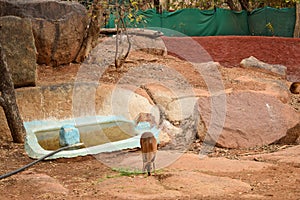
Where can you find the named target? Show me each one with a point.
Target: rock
(202, 185)
(17, 41)
(119, 100)
(177, 105)
(174, 185)
(277, 88)
(4, 130)
(168, 134)
(148, 41)
(141, 39)
(292, 136)
(177, 97)
(192, 161)
(164, 138)
(289, 155)
(42, 183)
(253, 62)
(252, 119)
(58, 27)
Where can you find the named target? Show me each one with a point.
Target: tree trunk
(93, 29)
(8, 101)
(231, 5)
(297, 23)
(245, 5)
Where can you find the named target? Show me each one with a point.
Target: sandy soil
(256, 173)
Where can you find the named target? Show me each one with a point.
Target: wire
(40, 159)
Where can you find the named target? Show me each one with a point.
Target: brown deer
(295, 88)
(149, 148)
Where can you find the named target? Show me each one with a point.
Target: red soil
(229, 51)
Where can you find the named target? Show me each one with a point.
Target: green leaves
(270, 27)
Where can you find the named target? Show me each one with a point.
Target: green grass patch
(121, 172)
(127, 172)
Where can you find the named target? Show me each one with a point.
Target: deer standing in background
(149, 148)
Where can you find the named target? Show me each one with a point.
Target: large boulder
(177, 105)
(252, 119)
(58, 27)
(17, 40)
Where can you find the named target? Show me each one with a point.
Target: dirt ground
(255, 173)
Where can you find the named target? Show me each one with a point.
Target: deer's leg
(148, 167)
(153, 167)
(153, 161)
(144, 167)
(144, 162)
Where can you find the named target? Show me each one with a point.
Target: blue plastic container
(68, 135)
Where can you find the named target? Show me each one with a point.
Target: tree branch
(128, 39)
(231, 5)
(121, 27)
(92, 31)
(245, 5)
(10, 107)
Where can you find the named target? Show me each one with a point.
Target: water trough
(97, 133)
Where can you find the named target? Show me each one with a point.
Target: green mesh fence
(194, 22)
(270, 21)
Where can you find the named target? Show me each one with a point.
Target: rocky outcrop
(58, 27)
(17, 41)
(252, 119)
(253, 62)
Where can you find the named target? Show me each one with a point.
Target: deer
(149, 148)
